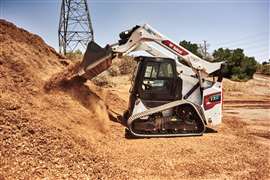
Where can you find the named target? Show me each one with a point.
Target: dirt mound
(27, 52)
(75, 87)
(10, 32)
(46, 134)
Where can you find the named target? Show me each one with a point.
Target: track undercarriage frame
(184, 120)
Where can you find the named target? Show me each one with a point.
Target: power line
(253, 46)
(244, 39)
(260, 50)
(248, 41)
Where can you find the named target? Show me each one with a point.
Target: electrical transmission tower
(75, 27)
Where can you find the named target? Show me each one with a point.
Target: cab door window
(158, 80)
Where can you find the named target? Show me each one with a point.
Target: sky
(222, 23)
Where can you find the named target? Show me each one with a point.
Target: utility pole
(204, 49)
(75, 27)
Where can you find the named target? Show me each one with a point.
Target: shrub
(266, 69)
(263, 68)
(76, 55)
(122, 66)
(126, 65)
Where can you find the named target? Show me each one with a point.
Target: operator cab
(155, 82)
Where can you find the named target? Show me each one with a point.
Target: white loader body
(172, 95)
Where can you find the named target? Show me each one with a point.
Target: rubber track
(159, 109)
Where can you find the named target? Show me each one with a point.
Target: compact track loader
(173, 92)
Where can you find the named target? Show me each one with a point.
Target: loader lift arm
(97, 59)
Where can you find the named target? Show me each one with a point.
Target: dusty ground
(240, 149)
(65, 131)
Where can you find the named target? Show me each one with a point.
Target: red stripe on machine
(211, 100)
(176, 48)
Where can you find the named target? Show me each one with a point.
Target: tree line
(240, 67)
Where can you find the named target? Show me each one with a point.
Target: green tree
(192, 47)
(222, 54)
(239, 66)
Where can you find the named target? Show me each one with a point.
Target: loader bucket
(95, 60)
